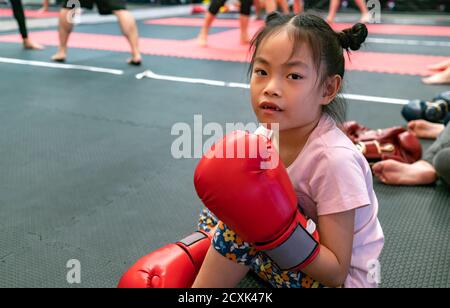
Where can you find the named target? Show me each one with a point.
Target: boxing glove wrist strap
(297, 251)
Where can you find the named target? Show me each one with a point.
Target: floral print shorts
(230, 245)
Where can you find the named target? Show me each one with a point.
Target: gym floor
(85, 147)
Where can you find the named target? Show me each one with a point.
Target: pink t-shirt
(331, 176)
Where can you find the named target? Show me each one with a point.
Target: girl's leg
(334, 7)
(209, 19)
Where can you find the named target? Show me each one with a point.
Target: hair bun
(353, 38)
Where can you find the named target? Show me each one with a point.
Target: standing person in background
(334, 7)
(19, 15)
(214, 8)
(105, 7)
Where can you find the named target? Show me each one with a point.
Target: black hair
(327, 47)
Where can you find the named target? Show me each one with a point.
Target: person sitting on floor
(434, 165)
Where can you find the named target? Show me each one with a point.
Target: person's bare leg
(258, 9)
(440, 66)
(334, 7)
(438, 78)
(45, 6)
(271, 6)
(30, 45)
(203, 36)
(298, 6)
(65, 28)
(244, 21)
(365, 16)
(392, 172)
(284, 6)
(425, 129)
(130, 31)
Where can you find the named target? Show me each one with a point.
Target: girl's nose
(273, 89)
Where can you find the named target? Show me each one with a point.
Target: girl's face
(285, 89)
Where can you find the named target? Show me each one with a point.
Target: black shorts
(105, 7)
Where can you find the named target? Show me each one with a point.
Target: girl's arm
(219, 272)
(332, 265)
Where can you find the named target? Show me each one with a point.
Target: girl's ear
(331, 89)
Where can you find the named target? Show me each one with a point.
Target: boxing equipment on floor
(395, 143)
(436, 111)
(172, 266)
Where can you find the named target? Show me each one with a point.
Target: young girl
(298, 66)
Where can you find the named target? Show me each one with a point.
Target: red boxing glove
(354, 130)
(173, 266)
(255, 197)
(382, 144)
(392, 143)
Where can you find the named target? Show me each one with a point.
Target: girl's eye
(260, 72)
(295, 77)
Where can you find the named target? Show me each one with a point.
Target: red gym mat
(390, 63)
(29, 14)
(388, 29)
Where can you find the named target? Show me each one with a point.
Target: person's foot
(439, 78)
(202, 40)
(60, 56)
(330, 20)
(365, 18)
(135, 61)
(245, 39)
(440, 66)
(29, 45)
(43, 9)
(425, 129)
(392, 172)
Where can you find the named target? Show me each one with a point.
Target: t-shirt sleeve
(339, 182)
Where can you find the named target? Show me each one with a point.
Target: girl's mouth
(269, 106)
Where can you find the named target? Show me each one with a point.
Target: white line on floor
(408, 42)
(216, 83)
(62, 66)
